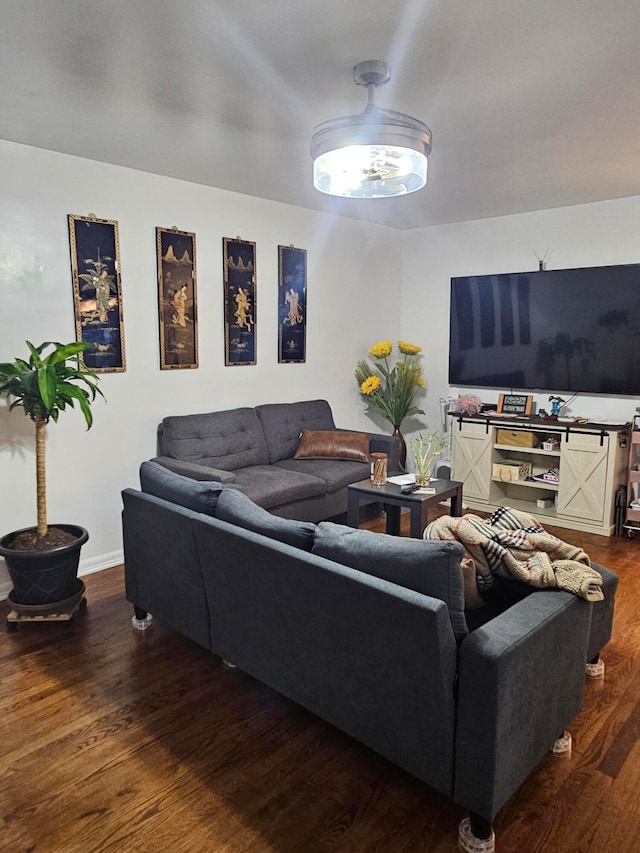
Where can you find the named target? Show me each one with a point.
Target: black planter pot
(44, 577)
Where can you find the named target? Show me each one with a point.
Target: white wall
(353, 300)
(586, 235)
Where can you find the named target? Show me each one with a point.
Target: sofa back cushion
(283, 422)
(200, 496)
(227, 440)
(236, 508)
(433, 570)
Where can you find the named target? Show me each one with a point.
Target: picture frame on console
(177, 298)
(515, 404)
(97, 292)
(239, 261)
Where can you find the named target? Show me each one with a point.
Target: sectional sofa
(367, 631)
(255, 449)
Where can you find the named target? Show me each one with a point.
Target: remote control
(407, 490)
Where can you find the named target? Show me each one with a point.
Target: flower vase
(402, 448)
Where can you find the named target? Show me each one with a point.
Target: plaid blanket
(514, 544)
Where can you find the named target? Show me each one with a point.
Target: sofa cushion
(270, 486)
(283, 422)
(333, 444)
(226, 440)
(238, 509)
(433, 570)
(335, 473)
(198, 495)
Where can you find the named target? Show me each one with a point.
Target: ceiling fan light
(376, 154)
(370, 171)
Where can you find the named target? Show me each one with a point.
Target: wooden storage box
(517, 438)
(511, 470)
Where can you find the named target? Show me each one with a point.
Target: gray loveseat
(367, 631)
(254, 449)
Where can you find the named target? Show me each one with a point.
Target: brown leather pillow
(333, 444)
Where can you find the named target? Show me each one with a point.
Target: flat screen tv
(575, 330)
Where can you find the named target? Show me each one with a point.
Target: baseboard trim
(103, 561)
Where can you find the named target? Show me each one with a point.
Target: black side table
(390, 495)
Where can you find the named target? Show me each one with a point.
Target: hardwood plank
(620, 750)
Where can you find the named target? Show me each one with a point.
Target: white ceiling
(532, 104)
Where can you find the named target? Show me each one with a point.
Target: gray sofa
(367, 631)
(253, 448)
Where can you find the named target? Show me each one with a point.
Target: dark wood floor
(114, 740)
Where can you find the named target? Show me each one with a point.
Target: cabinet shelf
(538, 451)
(529, 484)
(527, 506)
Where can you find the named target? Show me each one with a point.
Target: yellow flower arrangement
(391, 390)
(408, 349)
(370, 385)
(382, 349)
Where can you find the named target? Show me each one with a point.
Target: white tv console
(592, 459)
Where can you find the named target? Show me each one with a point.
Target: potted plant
(425, 450)
(43, 560)
(391, 390)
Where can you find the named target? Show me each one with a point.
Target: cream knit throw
(515, 545)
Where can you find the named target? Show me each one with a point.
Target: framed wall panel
(239, 259)
(292, 305)
(177, 298)
(97, 292)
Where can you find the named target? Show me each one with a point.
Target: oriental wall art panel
(239, 259)
(177, 298)
(292, 305)
(97, 293)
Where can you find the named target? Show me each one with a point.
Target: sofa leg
(475, 835)
(562, 745)
(595, 668)
(141, 620)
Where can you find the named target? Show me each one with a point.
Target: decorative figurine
(556, 403)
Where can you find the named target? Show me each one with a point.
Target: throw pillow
(198, 495)
(333, 444)
(236, 508)
(429, 567)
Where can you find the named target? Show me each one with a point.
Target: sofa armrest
(521, 680)
(162, 567)
(195, 471)
(388, 444)
(380, 443)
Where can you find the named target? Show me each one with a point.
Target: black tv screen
(575, 330)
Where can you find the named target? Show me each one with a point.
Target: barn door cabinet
(566, 474)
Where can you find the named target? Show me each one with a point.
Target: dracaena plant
(44, 386)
